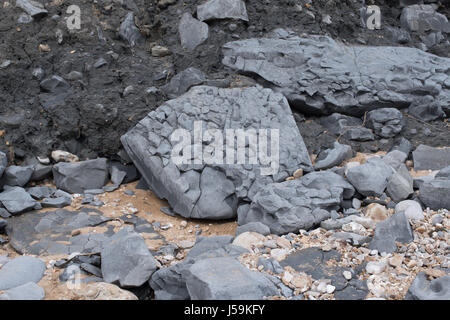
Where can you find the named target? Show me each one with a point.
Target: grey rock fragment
(333, 157)
(435, 194)
(206, 281)
(192, 32)
(128, 30)
(371, 178)
(257, 227)
(126, 260)
(33, 8)
(80, 176)
(17, 200)
(17, 175)
(429, 158)
(400, 184)
(59, 202)
(387, 232)
(386, 122)
(222, 9)
(183, 81)
(422, 18)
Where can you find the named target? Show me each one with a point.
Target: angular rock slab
(297, 204)
(28, 291)
(319, 75)
(20, 271)
(213, 191)
(226, 279)
(429, 158)
(222, 9)
(47, 233)
(394, 229)
(126, 259)
(423, 289)
(192, 32)
(80, 176)
(435, 194)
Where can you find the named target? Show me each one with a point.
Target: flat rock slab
(320, 75)
(20, 271)
(28, 291)
(47, 233)
(313, 261)
(211, 190)
(423, 289)
(226, 279)
(222, 9)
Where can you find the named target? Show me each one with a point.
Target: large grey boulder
(370, 178)
(192, 32)
(297, 204)
(426, 109)
(222, 9)
(429, 158)
(320, 75)
(424, 289)
(333, 157)
(422, 18)
(28, 291)
(226, 279)
(394, 229)
(20, 271)
(17, 200)
(197, 186)
(79, 176)
(385, 122)
(126, 259)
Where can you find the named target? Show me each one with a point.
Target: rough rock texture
(213, 190)
(16, 176)
(385, 122)
(429, 158)
(257, 227)
(387, 232)
(33, 8)
(225, 278)
(80, 176)
(423, 18)
(320, 75)
(20, 271)
(128, 30)
(400, 184)
(183, 81)
(297, 204)
(127, 260)
(222, 9)
(423, 289)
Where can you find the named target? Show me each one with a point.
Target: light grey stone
(222, 9)
(192, 32)
(20, 271)
(423, 289)
(28, 291)
(17, 200)
(333, 157)
(429, 158)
